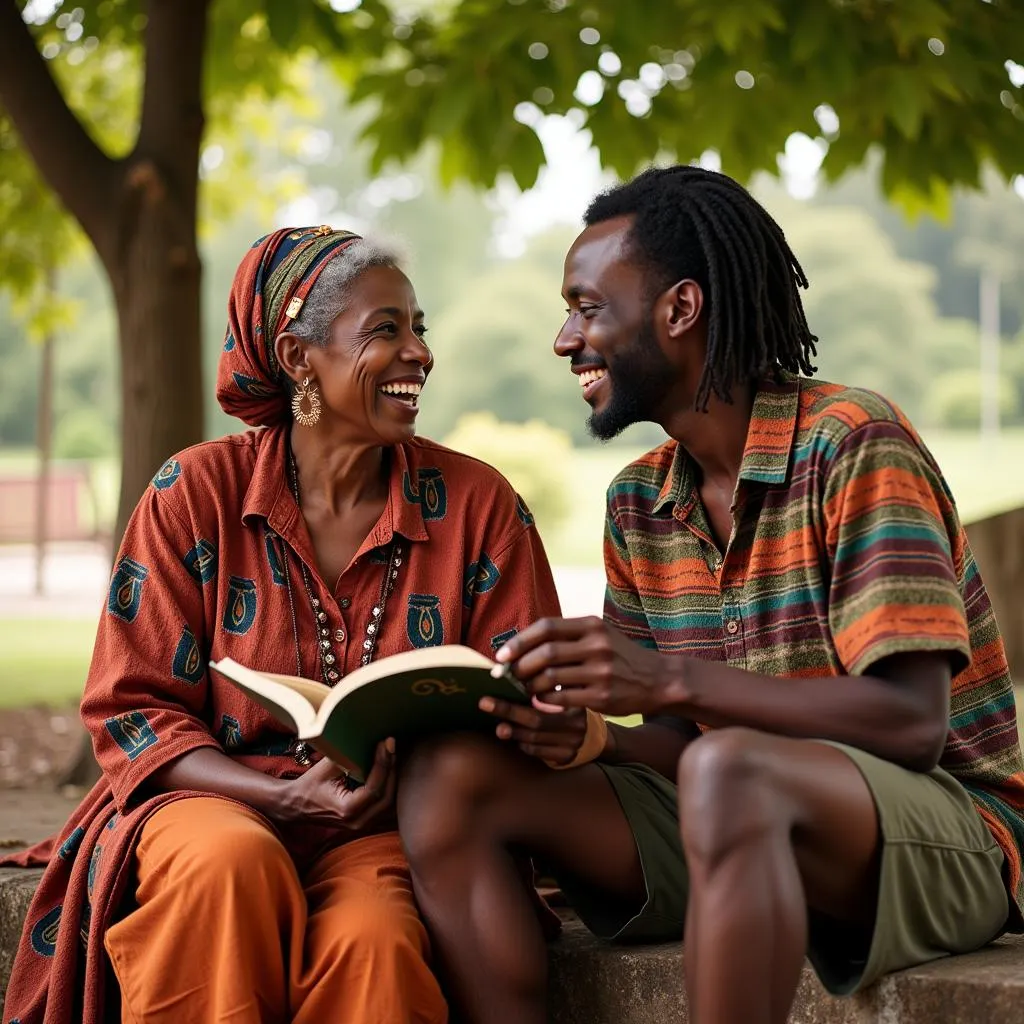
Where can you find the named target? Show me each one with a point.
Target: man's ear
(685, 302)
(292, 355)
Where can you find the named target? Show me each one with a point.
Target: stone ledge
(594, 983)
(16, 888)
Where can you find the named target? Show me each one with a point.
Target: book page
(315, 693)
(278, 696)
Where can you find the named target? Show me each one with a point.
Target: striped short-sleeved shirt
(846, 548)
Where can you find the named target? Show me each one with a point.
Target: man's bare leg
(466, 804)
(769, 826)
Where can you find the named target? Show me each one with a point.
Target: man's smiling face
(609, 334)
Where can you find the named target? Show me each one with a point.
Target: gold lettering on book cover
(428, 687)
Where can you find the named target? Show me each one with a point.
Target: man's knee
(444, 785)
(450, 771)
(726, 793)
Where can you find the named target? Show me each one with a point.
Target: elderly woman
(226, 872)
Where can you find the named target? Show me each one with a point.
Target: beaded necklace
(329, 664)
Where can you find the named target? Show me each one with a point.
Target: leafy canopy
(933, 82)
(938, 85)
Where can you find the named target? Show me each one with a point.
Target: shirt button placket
(732, 622)
(341, 632)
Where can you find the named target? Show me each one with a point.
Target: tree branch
(73, 165)
(172, 100)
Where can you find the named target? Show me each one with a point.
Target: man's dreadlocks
(698, 224)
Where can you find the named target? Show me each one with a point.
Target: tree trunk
(156, 284)
(140, 214)
(44, 446)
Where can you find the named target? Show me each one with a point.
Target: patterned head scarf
(270, 285)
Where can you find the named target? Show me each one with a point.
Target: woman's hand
(320, 796)
(545, 731)
(576, 663)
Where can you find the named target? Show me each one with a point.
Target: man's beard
(640, 377)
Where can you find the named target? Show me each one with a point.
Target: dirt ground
(36, 744)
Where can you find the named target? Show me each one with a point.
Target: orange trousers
(226, 930)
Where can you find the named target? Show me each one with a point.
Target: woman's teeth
(408, 393)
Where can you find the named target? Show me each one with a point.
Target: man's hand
(554, 735)
(320, 795)
(586, 663)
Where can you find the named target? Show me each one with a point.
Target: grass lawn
(984, 475)
(43, 661)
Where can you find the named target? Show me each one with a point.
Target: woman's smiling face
(375, 361)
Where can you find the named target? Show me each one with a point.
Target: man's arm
(659, 743)
(896, 620)
(899, 711)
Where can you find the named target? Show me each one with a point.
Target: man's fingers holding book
(551, 736)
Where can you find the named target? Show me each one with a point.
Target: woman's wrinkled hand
(542, 730)
(320, 795)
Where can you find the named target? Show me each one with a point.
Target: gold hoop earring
(306, 392)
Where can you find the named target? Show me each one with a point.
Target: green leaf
(524, 156)
(906, 106)
(327, 24)
(283, 21)
(934, 200)
(731, 24)
(809, 36)
(449, 108)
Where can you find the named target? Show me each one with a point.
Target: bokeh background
(915, 262)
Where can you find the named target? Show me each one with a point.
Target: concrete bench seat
(595, 983)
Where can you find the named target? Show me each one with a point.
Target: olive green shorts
(940, 890)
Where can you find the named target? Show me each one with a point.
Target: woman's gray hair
(329, 296)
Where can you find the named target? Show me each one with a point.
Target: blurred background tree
(536, 458)
(926, 82)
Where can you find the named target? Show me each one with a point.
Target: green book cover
(406, 696)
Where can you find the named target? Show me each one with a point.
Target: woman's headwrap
(270, 285)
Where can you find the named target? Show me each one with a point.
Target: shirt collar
(766, 453)
(773, 420)
(404, 512)
(678, 488)
(268, 495)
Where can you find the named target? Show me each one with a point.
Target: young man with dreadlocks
(829, 760)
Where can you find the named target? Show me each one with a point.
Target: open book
(406, 696)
